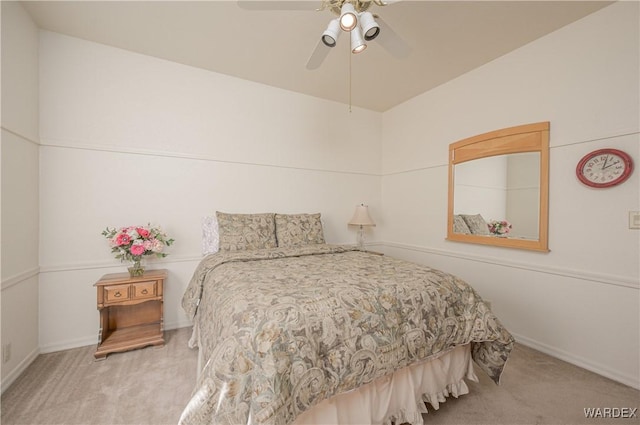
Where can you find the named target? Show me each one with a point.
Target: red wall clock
(604, 168)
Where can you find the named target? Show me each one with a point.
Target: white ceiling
(446, 38)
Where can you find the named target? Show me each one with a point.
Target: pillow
(210, 236)
(298, 229)
(240, 232)
(460, 226)
(476, 224)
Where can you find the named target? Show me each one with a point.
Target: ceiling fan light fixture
(357, 43)
(370, 27)
(331, 34)
(348, 17)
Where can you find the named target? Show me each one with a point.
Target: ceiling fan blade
(278, 5)
(391, 41)
(319, 54)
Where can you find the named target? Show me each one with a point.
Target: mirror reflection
(504, 190)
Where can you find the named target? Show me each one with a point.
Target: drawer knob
(144, 291)
(117, 294)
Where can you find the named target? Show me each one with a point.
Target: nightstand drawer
(116, 293)
(144, 289)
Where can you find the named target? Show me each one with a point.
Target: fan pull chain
(349, 80)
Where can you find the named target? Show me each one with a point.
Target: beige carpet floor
(152, 385)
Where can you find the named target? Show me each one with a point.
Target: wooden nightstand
(131, 311)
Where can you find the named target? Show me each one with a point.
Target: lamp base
(360, 240)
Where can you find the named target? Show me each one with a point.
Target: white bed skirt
(400, 397)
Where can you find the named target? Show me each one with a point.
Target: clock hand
(606, 158)
(611, 165)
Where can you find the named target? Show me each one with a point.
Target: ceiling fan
(353, 17)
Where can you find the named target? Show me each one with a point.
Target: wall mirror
(499, 188)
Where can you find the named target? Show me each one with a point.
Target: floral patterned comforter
(282, 329)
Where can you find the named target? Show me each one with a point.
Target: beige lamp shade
(361, 217)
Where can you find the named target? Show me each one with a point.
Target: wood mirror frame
(520, 139)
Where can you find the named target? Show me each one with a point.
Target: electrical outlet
(6, 352)
(634, 219)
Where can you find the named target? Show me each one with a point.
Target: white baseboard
(69, 344)
(18, 370)
(177, 325)
(66, 345)
(591, 366)
(93, 340)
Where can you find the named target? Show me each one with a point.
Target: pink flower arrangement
(133, 242)
(499, 227)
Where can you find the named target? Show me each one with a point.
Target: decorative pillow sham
(239, 232)
(298, 229)
(476, 224)
(210, 236)
(460, 226)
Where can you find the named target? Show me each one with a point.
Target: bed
(293, 330)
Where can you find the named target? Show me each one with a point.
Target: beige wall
(580, 301)
(19, 200)
(129, 139)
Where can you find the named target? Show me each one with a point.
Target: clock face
(604, 168)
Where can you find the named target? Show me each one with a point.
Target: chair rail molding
(20, 277)
(609, 279)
